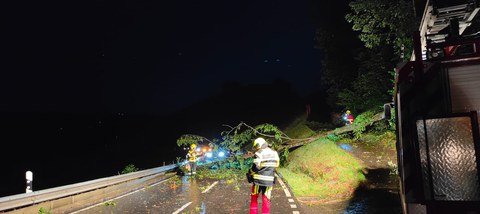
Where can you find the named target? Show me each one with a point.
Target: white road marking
(86, 208)
(206, 190)
(287, 193)
(181, 208)
(186, 205)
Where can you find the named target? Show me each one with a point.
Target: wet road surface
(189, 194)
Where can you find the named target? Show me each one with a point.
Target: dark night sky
(150, 57)
(141, 57)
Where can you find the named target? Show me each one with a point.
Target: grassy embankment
(323, 170)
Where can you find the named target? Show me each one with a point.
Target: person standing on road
(262, 174)
(348, 117)
(192, 159)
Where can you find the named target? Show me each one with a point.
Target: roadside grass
(321, 169)
(299, 129)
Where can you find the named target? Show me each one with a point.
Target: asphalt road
(186, 194)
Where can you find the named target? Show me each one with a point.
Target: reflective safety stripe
(268, 193)
(267, 190)
(266, 160)
(255, 189)
(269, 164)
(263, 177)
(270, 159)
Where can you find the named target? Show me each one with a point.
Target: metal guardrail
(26, 199)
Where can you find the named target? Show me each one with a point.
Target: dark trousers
(193, 167)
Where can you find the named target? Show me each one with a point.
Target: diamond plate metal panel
(452, 158)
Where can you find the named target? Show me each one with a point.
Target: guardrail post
(29, 177)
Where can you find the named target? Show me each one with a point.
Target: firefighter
(192, 159)
(262, 174)
(348, 117)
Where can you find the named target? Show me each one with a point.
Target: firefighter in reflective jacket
(192, 159)
(262, 174)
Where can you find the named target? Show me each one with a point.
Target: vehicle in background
(207, 154)
(437, 101)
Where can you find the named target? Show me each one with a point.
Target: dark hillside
(253, 104)
(66, 148)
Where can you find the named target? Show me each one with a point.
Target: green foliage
(332, 137)
(129, 168)
(392, 120)
(238, 140)
(374, 83)
(384, 22)
(270, 129)
(385, 27)
(284, 156)
(362, 122)
(238, 137)
(110, 203)
(338, 63)
(43, 211)
(189, 139)
(226, 170)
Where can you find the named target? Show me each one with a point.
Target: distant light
(209, 149)
(221, 154)
(198, 150)
(208, 154)
(265, 60)
(204, 150)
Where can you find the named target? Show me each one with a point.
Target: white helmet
(259, 142)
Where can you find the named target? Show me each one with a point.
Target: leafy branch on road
(236, 137)
(237, 141)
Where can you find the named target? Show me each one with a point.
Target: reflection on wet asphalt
(186, 194)
(204, 208)
(185, 184)
(379, 196)
(185, 191)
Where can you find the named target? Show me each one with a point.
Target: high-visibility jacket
(192, 156)
(263, 170)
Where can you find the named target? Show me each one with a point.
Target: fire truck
(437, 102)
